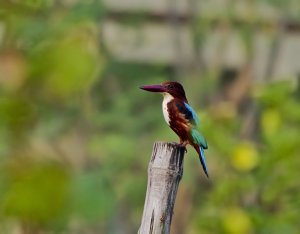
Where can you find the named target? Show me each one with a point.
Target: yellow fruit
(236, 221)
(244, 157)
(270, 121)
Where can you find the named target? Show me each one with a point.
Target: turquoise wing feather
(198, 138)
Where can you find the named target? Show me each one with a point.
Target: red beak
(154, 88)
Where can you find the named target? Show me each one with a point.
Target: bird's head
(171, 87)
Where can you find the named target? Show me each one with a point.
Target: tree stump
(164, 174)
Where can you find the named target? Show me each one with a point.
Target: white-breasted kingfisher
(181, 117)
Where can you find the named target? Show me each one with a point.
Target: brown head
(173, 88)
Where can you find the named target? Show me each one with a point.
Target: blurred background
(76, 132)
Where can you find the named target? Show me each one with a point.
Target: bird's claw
(183, 145)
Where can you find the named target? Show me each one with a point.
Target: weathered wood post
(164, 174)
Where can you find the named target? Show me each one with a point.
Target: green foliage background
(76, 134)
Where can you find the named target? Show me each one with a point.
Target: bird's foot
(183, 145)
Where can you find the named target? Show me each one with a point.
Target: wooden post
(164, 173)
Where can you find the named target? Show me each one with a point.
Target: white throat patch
(167, 98)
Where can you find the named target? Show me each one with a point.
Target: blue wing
(192, 117)
(193, 113)
(188, 112)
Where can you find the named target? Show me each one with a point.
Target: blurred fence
(228, 34)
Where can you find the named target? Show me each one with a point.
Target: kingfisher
(181, 117)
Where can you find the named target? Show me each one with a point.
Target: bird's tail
(200, 152)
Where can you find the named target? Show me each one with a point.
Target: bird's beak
(154, 88)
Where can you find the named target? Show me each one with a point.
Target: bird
(181, 117)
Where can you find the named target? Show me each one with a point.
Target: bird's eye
(170, 86)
